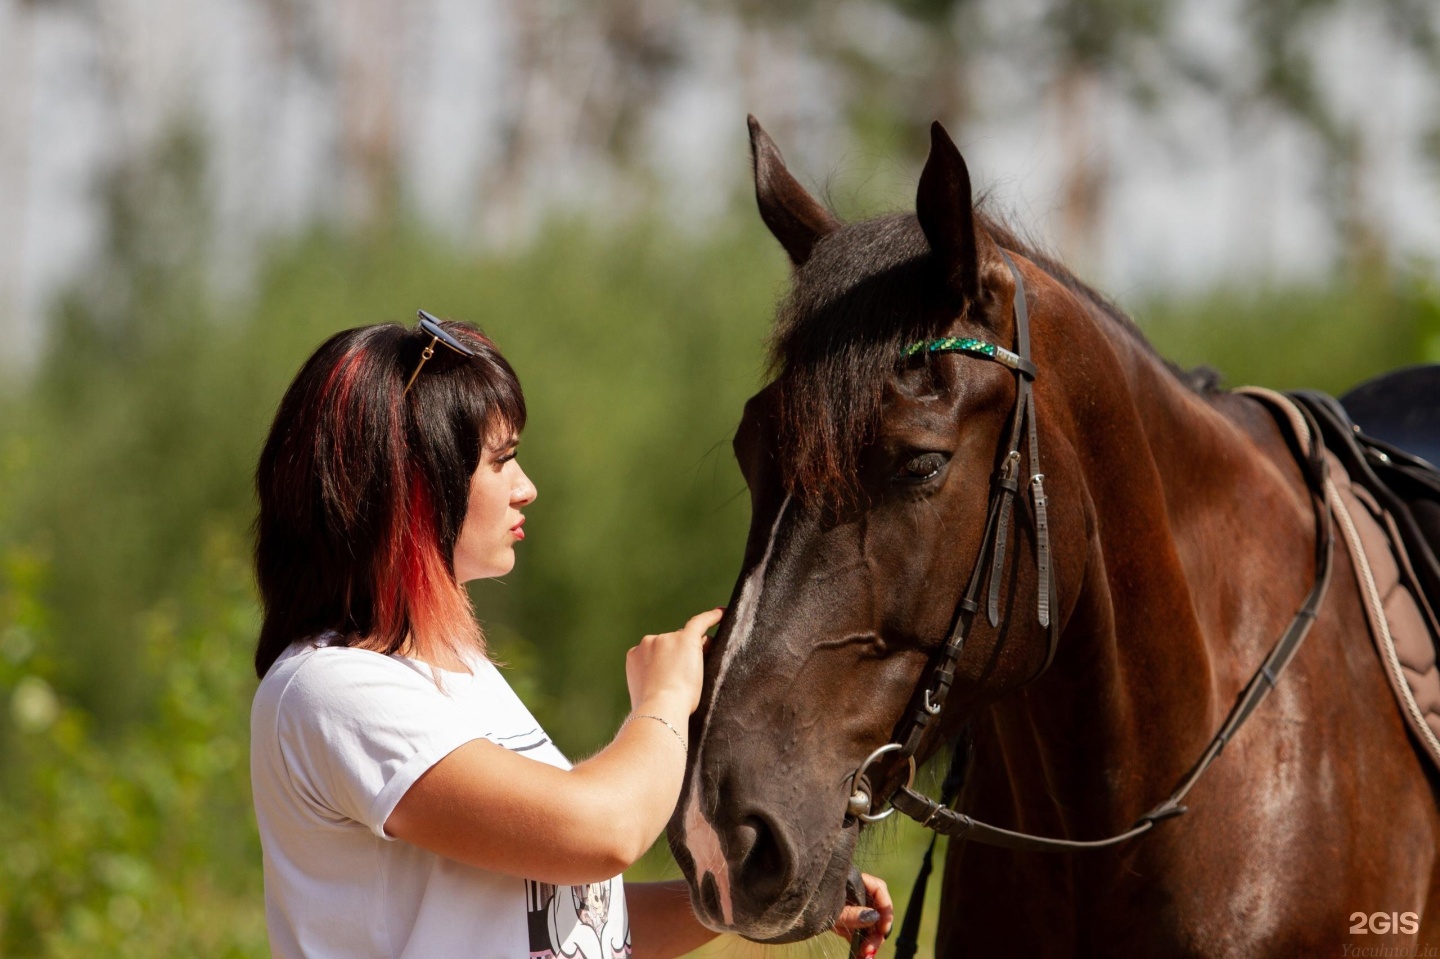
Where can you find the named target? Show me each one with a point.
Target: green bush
(140, 843)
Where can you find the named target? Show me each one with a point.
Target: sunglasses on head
(430, 326)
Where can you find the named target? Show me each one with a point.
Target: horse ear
(795, 217)
(946, 212)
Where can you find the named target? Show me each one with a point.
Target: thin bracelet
(678, 735)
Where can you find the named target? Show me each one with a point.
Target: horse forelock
(865, 292)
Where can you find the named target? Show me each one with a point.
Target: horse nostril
(710, 896)
(765, 862)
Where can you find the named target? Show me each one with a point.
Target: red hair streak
(417, 600)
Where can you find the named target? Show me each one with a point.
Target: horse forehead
(798, 600)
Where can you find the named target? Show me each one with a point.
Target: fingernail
(868, 916)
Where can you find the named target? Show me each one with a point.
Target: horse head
(869, 465)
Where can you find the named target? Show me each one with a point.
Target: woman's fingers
(854, 918)
(698, 624)
(667, 667)
(865, 919)
(879, 896)
(874, 919)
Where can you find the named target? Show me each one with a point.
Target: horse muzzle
(750, 876)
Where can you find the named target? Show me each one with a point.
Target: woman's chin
(500, 565)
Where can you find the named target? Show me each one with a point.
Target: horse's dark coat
(1183, 544)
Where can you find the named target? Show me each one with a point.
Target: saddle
(1386, 504)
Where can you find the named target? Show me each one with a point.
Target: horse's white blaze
(701, 840)
(703, 844)
(749, 604)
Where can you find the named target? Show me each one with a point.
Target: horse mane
(868, 290)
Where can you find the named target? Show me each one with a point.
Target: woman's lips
(519, 533)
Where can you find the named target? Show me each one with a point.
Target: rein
(937, 816)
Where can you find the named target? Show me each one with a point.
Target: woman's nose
(524, 492)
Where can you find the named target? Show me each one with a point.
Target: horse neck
(1191, 504)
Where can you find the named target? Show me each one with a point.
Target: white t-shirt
(337, 736)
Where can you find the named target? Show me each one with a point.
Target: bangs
(496, 403)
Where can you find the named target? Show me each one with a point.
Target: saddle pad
(1401, 621)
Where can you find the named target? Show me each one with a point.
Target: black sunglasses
(431, 327)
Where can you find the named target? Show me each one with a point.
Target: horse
(1174, 540)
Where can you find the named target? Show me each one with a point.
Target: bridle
(937, 816)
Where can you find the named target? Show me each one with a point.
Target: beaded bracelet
(678, 735)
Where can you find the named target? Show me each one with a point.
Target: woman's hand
(876, 918)
(665, 671)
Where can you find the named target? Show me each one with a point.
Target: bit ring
(859, 805)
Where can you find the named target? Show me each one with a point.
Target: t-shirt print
(576, 922)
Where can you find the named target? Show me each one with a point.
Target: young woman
(408, 803)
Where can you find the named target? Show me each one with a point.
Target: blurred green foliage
(1328, 337)
(136, 841)
(127, 609)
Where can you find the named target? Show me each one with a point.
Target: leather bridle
(906, 743)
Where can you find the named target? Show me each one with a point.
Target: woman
(408, 803)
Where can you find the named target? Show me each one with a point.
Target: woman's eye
(922, 467)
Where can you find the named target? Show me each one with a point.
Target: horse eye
(923, 467)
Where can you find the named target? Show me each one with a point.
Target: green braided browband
(968, 344)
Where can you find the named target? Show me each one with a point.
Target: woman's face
(498, 491)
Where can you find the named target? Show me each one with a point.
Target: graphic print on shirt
(524, 742)
(576, 922)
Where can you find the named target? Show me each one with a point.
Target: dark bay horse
(1182, 540)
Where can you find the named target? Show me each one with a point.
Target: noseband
(938, 816)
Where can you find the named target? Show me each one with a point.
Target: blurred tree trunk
(1085, 176)
(16, 68)
(501, 201)
(1364, 245)
(370, 41)
(580, 83)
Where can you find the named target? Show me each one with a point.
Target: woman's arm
(662, 924)
(501, 811)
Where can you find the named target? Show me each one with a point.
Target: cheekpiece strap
(993, 544)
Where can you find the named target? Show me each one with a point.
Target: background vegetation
(127, 611)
